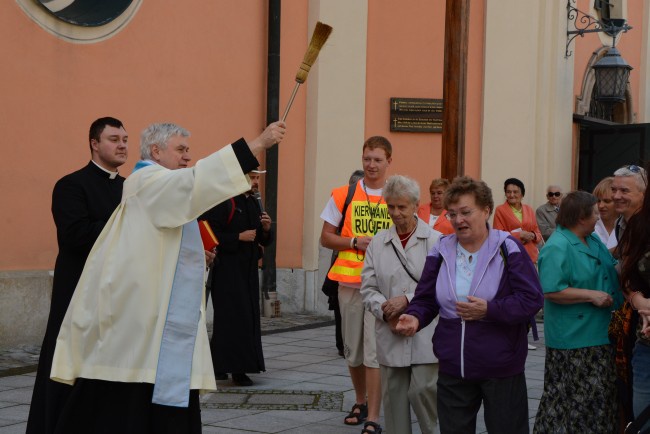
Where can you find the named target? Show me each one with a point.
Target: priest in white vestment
(134, 338)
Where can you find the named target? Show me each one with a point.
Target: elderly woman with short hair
(392, 268)
(485, 289)
(581, 289)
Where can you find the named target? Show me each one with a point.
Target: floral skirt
(579, 392)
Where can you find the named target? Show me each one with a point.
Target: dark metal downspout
(272, 115)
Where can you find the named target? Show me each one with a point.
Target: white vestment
(113, 328)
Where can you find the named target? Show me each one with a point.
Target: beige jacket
(113, 327)
(384, 277)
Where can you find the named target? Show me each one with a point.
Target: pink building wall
(406, 59)
(201, 65)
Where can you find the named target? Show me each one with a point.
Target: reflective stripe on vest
(359, 220)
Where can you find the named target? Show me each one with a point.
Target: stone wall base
(25, 301)
(24, 307)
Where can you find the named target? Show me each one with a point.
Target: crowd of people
(433, 303)
(441, 275)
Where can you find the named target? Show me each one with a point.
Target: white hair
(398, 186)
(159, 134)
(637, 172)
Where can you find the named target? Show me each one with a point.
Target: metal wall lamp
(611, 71)
(612, 74)
(585, 23)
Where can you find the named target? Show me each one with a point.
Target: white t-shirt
(332, 215)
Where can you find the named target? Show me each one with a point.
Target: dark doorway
(606, 147)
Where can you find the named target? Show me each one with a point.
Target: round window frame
(77, 33)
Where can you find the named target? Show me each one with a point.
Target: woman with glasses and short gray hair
(485, 289)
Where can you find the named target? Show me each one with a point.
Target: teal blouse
(566, 262)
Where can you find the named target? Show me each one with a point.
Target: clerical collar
(111, 175)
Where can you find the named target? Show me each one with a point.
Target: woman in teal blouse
(581, 289)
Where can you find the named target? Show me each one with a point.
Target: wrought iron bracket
(585, 23)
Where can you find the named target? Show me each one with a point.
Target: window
(86, 12)
(610, 12)
(81, 21)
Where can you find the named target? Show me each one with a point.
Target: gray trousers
(505, 403)
(406, 387)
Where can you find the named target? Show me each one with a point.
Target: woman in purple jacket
(485, 288)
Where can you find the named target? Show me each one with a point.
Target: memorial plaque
(416, 115)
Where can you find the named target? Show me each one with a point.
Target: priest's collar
(111, 175)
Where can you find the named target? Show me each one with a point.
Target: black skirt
(106, 407)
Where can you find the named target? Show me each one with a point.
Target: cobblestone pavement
(306, 388)
(20, 360)
(24, 359)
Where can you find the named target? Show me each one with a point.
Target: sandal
(377, 428)
(360, 416)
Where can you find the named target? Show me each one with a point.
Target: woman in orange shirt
(434, 212)
(517, 218)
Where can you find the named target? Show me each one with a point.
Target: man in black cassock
(242, 228)
(82, 203)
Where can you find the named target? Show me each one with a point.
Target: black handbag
(330, 287)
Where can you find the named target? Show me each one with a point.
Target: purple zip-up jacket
(496, 346)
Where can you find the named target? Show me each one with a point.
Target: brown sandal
(360, 416)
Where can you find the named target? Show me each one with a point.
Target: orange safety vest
(366, 215)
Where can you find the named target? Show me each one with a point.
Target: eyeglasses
(553, 193)
(464, 214)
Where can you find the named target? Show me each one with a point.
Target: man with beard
(241, 227)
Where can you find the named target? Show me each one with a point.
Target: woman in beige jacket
(393, 265)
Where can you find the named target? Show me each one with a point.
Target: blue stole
(174, 371)
(143, 163)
